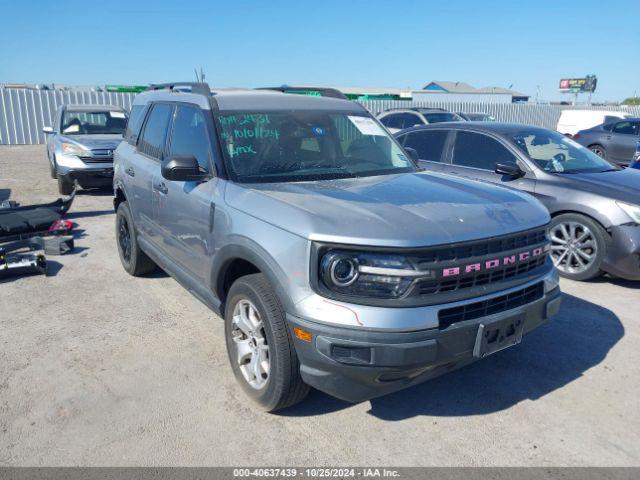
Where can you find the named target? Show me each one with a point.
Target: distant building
(463, 92)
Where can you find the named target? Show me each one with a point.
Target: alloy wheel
(598, 151)
(251, 348)
(573, 247)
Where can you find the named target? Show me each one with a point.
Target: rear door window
(392, 121)
(626, 128)
(480, 151)
(155, 131)
(410, 120)
(134, 123)
(428, 143)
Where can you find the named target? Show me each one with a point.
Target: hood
(618, 185)
(407, 210)
(100, 141)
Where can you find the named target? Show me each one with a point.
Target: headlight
(632, 210)
(73, 149)
(368, 274)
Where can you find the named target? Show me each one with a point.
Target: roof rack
(311, 91)
(191, 87)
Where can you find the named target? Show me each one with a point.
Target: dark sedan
(595, 205)
(614, 141)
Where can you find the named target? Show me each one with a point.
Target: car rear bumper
(357, 365)
(623, 255)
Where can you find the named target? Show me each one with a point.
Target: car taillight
(61, 227)
(577, 135)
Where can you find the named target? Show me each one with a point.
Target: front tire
(133, 259)
(260, 347)
(52, 169)
(578, 246)
(65, 187)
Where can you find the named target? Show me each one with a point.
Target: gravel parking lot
(99, 368)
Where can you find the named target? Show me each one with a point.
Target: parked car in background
(595, 205)
(615, 141)
(572, 121)
(399, 118)
(476, 117)
(635, 163)
(334, 261)
(81, 142)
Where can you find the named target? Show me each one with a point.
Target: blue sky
(356, 43)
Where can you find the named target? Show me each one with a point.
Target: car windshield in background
(307, 145)
(93, 122)
(555, 153)
(442, 117)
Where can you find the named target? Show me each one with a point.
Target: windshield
(289, 146)
(442, 117)
(92, 122)
(555, 153)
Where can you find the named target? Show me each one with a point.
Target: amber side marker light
(302, 334)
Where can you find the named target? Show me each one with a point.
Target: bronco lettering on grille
(494, 263)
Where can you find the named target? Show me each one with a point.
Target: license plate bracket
(496, 335)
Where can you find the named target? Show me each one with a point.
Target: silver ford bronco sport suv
(335, 262)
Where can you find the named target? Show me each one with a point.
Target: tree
(631, 101)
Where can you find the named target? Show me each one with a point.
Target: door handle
(129, 171)
(608, 137)
(161, 187)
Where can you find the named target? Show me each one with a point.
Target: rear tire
(64, 186)
(599, 150)
(260, 347)
(578, 246)
(133, 259)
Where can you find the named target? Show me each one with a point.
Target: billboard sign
(579, 85)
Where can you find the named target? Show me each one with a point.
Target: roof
(462, 87)
(271, 100)
(506, 91)
(451, 87)
(86, 108)
(252, 100)
(500, 128)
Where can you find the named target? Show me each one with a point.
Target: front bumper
(94, 174)
(623, 254)
(358, 364)
(94, 177)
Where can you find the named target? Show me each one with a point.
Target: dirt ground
(100, 368)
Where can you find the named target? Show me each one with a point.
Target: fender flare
(246, 249)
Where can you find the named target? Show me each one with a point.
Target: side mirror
(181, 169)
(47, 130)
(509, 170)
(412, 153)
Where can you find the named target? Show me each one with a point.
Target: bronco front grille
(427, 287)
(480, 263)
(449, 316)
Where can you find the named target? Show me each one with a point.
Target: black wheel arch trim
(247, 250)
